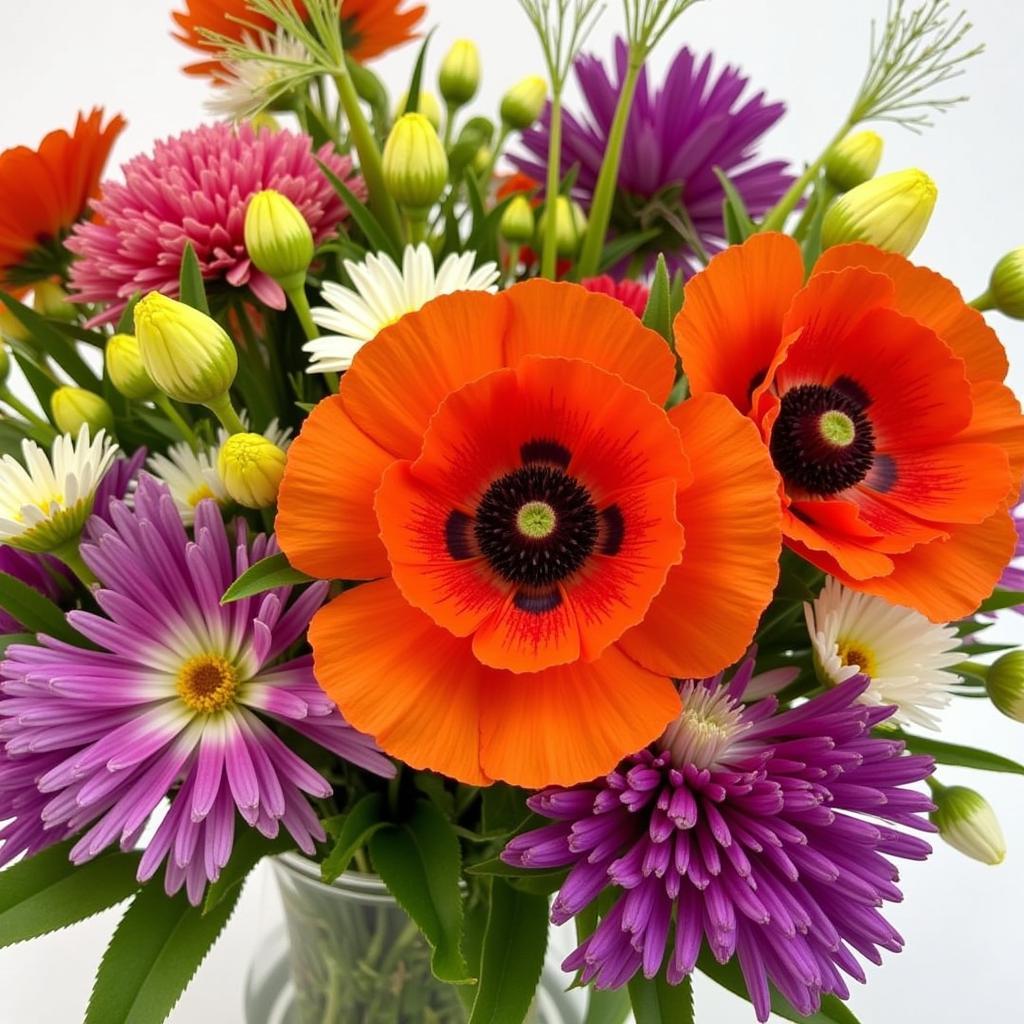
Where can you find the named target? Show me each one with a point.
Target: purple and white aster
(745, 828)
(676, 136)
(176, 701)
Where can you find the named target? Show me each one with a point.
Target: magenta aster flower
(632, 294)
(41, 572)
(195, 189)
(177, 700)
(766, 835)
(676, 136)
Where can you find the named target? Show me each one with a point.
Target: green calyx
(536, 519)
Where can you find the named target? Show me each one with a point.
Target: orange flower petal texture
(879, 393)
(46, 190)
(511, 457)
(371, 27)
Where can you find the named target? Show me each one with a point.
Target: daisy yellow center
(201, 493)
(207, 683)
(837, 429)
(853, 653)
(536, 519)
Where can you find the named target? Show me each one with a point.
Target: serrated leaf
(658, 314)
(35, 612)
(655, 1001)
(960, 757)
(513, 956)
(607, 1006)
(379, 239)
(43, 893)
(420, 863)
(191, 289)
(356, 829)
(250, 847)
(154, 954)
(266, 574)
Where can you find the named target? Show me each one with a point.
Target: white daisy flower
(192, 476)
(45, 503)
(383, 295)
(247, 86)
(903, 654)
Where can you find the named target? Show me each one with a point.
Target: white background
(961, 920)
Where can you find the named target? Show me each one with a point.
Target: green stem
(604, 191)
(72, 558)
(449, 123)
(549, 252)
(513, 262)
(164, 404)
(775, 220)
(934, 785)
(417, 229)
(499, 147)
(9, 398)
(370, 164)
(297, 297)
(224, 410)
(824, 195)
(985, 301)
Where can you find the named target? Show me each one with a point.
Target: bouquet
(567, 517)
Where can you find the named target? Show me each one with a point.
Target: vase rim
(358, 883)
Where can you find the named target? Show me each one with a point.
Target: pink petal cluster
(195, 189)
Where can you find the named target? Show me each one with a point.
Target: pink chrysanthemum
(195, 189)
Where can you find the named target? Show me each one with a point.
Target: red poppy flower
(880, 395)
(548, 546)
(44, 192)
(371, 27)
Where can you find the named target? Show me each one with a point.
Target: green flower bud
(1006, 286)
(518, 223)
(1004, 682)
(251, 468)
(428, 107)
(264, 119)
(523, 103)
(123, 360)
(74, 407)
(890, 212)
(854, 161)
(459, 77)
(415, 164)
(967, 822)
(49, 299)
(482, 160)
(188, 355)
(278, 239)
(10, 326)
(570, 226)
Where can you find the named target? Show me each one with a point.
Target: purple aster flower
(118, 481)
(675, 139)
(176, 701)
(766, 835)
(41, 572)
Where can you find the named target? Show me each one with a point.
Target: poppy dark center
(823, 441)
(536, 525)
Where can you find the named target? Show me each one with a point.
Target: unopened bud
(459, 77)
(123, 360)
(854, 161)
(1004, 682)
(10, 326)
(415, 164)
(251, 468)
(278, 239)
(967, 822)
(518, 223)
(570, 226)
(73, 408)
(49, 299)
(428, 106)
(1006, 287)
(523, 103)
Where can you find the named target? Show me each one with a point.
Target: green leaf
(1002, 599)
(43, 893)
(607, 1006)
(503, 809)
(961, 757)
(126, 325)
(36, 613)
(513, 956)
(369, 88)
(356, 829)
(379, 239)
(39, 377)
(412, 102)
(655, 1001)
(156, 950)
(10, 639)
(420, 862)
(266, 574)
(248, 850)
(812, 245)
(738, 223)
(190, 283)
(624, 245)
(658, 314)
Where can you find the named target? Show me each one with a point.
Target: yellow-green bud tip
(278, 239)
(73, 408)
(1004, 682)
(523, 103)
(855, 160)
(251, 468)
(967, 822)
(459, 77)
(186, 353)
(10, 326)
(415, 164)
(123, 360)
(1006, 286)
(428, 106)
(50, 299)
(890, 212)
(570, 226)
(518, 223)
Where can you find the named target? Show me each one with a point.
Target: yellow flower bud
(264, 119)
(1004, 682)
(854, 161)
(10, 326)
(459, 77)
(1006, 286)
(188, 355)
(278, 239)
(890, 212)
(518, 223)
(523, 103)
(570, 226)
(251, 468)
(428, 107)
(415, 164)
(966, 821)
(74, 407)
(124, 368)
(49, 299)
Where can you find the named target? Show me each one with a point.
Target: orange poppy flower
(880, 395)
(371, 27)
(43, 192)
(548, 547)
